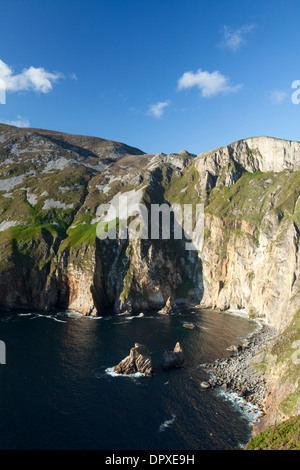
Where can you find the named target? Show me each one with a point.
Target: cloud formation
(157, 110)
(277, 96)
(19, 122)
(234, 39)
(32, 78)
(209, 83)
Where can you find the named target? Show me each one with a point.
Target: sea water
(58, 389)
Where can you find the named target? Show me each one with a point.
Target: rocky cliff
(52, 185)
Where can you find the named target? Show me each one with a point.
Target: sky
(162, 76)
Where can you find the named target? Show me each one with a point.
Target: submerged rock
(173, 358)
(139, 360)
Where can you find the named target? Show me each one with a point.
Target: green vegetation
(285, 436)
(28, 246)
(284, 354)
(84, 233)
(256, 194)
(182, 188)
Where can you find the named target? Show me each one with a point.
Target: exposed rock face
(258, 273)
(139, 360)
(264, 154)
(52, 185)
(167, 309)
(51, 252)
(173, 358)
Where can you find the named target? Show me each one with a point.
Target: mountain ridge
(50, 255)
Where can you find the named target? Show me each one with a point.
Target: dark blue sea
(57, 389)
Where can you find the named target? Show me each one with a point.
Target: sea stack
(168, 308)
(139, 360)
(173, 358)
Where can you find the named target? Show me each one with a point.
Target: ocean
(58, 389)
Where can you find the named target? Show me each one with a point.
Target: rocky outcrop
(139, 360)
(238, 373)
(52, 185)
(173, 359)
(259, 275)
(167, 309)
(249, 259)
(265, 154)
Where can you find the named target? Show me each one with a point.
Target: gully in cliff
(118, 212)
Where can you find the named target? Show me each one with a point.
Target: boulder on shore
(205, 384)
(139, 360)
(173, 358)
(235, 348)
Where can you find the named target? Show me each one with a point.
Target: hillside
(51, 185)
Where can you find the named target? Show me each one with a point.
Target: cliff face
(257, 272)
(51, 187)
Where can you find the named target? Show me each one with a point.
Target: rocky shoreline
(237, 375)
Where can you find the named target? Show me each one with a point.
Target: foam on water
(110, 371)
(249, 411)
(51, 317)
(166, 424)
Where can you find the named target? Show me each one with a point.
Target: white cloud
(19, 122)
(33, 78)
(73, 76)
(157, 110)
(277, 96)
(210, 84)
(233, 39)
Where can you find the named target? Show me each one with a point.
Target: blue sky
(162, 76)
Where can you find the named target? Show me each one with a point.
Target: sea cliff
(51, 187)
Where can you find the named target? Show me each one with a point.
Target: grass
(181, 188)
(285, 436)
(82, 233)
(28, 246)
(284, 355)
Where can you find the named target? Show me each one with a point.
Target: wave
(73, 313)
(166, 424)
(110, 371)
(249, 411)
(51, 317)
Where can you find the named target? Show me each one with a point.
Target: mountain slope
(51, 187)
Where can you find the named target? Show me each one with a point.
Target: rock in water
(189, 325)
(205, 384)
(168, 308)
(173, 358)
(139, 360)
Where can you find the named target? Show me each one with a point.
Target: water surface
(57, 391)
